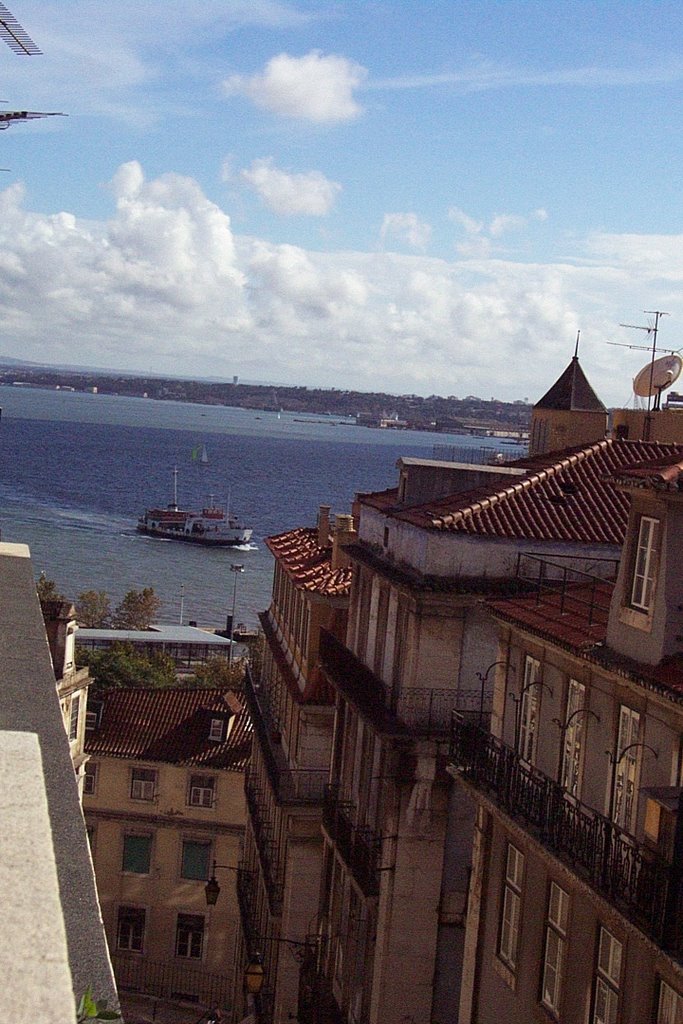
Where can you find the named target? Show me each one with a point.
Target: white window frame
(644, 564)
(199, 793)
(669, 1005)
(130, 945)
(184, 944)
(511, 907)
(217, 730)
(529, 710)
(74, 716)
(572, 753)
(625, 795)
(90, 776)
(555, 948)
(143, 788)
(607, 979)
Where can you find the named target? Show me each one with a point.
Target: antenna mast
(652, 329)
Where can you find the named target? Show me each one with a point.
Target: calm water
(76, 470)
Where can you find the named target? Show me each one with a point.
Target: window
(90, 778)
(644, 564)
(669, 1006)
(626, 769)
(512, 901)
(572, 752)
(555, 942)
(202, 788)
(137, 851)
(528, 711)
(217, 730)
(189, 936)
(143, 784)
(607, 979)
(74, 716)
(130, 933)
(195, 862)
(93, 714)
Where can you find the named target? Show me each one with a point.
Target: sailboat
(200, 455)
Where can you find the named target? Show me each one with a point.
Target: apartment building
(164, 805)
(292, 709)
(390, 944)
(575, 901)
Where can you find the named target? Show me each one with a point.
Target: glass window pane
(136, 854)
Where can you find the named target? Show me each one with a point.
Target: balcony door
(626, 768)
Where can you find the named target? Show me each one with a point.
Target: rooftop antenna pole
(576, 349)
(652, 329)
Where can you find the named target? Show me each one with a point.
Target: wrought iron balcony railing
(316, 1003)
(246, 899)
(189, 982)
(266, 843)
(360, 847)
(612, 861)
(425, 711)
(289, 785)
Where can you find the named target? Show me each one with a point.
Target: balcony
(423, 711)
(316, 1002)
(264, 833)
(246, 898)
(171, 980)
(291, 786)
(359, 847)
(611, 861)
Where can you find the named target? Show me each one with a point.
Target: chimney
(324, 526)
(344, 533)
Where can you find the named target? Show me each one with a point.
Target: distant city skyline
(416, 198)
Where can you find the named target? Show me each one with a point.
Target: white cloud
(504, 222)
(406, 227)
(310, 193)
(463, 220)
(165, 282)
(316, 87)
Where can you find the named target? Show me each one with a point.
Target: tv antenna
(651, 389)
(14, 35)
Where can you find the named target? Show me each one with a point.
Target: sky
(412, 197)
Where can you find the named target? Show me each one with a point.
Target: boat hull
(228, 541)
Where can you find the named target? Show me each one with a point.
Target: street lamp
(236, 569)
(254, 975)
(212, 889)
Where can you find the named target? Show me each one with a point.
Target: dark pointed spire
(571, 391)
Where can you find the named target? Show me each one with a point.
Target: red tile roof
(171, 725)
(307, 564)
(569, 496)
(663, 474)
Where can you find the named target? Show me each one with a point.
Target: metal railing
(421, 710)
(570, 589)
(266, 843)
(611, 860)
(187, 982)
(360, 847)
(508, 449)
(289, 785)
(247, 902)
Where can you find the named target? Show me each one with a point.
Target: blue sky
(410, 197)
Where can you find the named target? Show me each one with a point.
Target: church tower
(569, 414)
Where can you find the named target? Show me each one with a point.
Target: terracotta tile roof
(574, 616)
(577, 622)
(571, 391)
(568, 496)
(171, 725)
(307, 564)
(663, 474)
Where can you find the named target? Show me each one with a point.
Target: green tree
(47, 589)
(137, 610)
(122, 666)
(93, 609)
(216, 674)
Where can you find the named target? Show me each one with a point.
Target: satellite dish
(657, 376)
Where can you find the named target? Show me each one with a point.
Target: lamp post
(615, 761)
(212, 889)
(483, 678)
(236, 569)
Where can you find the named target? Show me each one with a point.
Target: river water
(76, 470)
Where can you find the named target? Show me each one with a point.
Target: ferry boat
(212, 526)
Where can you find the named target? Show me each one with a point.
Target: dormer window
(217, 730)
(644, 564)
(201, 791)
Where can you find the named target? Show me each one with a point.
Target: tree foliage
(93, 609)
(216, 673)
(122, 666)
(47, 589)
(137, 610)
